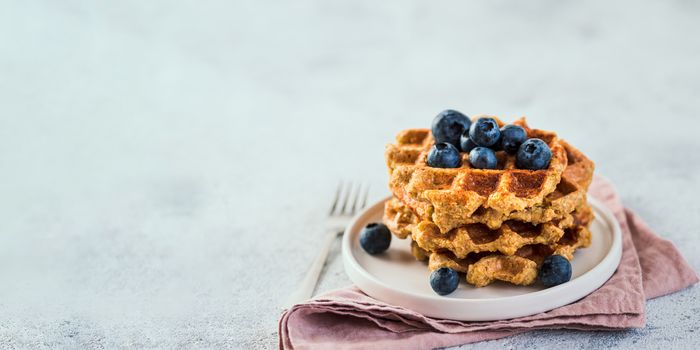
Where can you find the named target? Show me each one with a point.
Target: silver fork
(348, 201)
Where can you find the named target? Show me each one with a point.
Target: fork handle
(308, 284)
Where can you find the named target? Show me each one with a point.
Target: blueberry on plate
(466, 143)
(533, 154)
(484, 132)
(449, 125)
(444, 155)
(375, 238)
(483, 158)
(512, 136)
(444, 280)
(554, 271)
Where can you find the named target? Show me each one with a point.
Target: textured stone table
(165, 168)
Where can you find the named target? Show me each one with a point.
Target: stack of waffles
(489, 224)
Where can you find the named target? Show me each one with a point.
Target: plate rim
(591, 279)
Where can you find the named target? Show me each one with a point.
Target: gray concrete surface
(165, 166)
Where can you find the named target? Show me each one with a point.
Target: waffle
(452, 198)
(490, 224)
(511, 253)
(461, 241)
(399, 218)
(483, 268)
(507, 239)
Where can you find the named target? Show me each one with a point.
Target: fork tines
(349, 199)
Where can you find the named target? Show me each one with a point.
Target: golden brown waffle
(521, 268)
(511, 253)
(455, 197)
(507, 239)
(399, 218)
(490, 224)
(461, 241)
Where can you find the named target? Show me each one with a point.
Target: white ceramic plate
(397, 278)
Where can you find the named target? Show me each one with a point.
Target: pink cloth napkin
(349, 319)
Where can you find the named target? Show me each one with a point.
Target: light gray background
(165, 167)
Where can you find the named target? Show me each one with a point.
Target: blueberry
(444, 280)
(555, 270)
(484, 132)
(375, 238)
(483, 158)
(512, 136)
(449, 125)
(466, 143)
(533, 154)
(444, 155)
